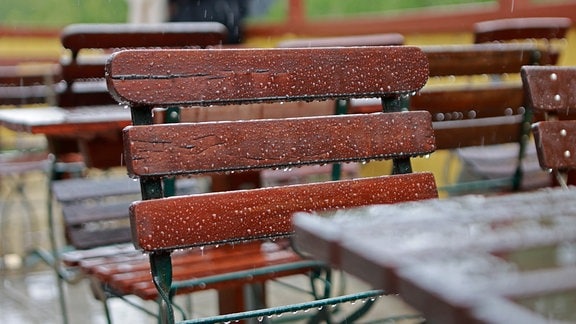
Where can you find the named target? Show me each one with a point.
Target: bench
(94, 208)
(550, 91)
(237, 220)
(476, 99)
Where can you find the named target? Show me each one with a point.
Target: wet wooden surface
(75, 123)
(149, 77)
(460, 260)
(258, 144)
(247, 215)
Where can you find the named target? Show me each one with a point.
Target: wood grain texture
(230, 76)
(177, 222)
(555, 144)
(173, 149)
(550, 89)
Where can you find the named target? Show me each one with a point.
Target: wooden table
(87, 130)
(72, 122)
(472, 259)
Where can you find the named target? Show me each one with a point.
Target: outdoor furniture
(550, 91)
(472, 108)
(469, 259)
(239, 219)
(549, 31)
(21, 156)
(28, 85)
(84, 137)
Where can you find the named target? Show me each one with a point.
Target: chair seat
(127, 271)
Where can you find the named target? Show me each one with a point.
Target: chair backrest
(28, 84)
(469, 106)
(242, 76)
(521, 29)
(478, 109)
(90, 44)
(83, 72)
(531, 29)
(551, 90)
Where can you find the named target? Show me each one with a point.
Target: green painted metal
(172, 115)
(161, 268)
(398, 104)
(367, 296)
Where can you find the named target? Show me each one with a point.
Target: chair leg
(17, 192)
(100, 294)
(161, 269)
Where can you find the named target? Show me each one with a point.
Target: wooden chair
(293, 109)
(547, 30)
(550, 90)
(94, 208)
(82, 69)
(236, 219)
(22, 155)
(90, 44)
(28, 85)
(470, 109)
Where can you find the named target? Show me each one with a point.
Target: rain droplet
(557, 97)
(553, 77)
(567, 154)
(563, 132)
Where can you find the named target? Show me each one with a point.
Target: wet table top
(500, 259)
(58, 121)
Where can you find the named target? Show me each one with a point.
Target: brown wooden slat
(227, 146)
(556, 144)
(177, 222)
(131, 275)
(455, 60)
(81, 69)
(80, 36)
(470, 102)
(254, 75)
(550, 89)
(521, 29)
(470, 132)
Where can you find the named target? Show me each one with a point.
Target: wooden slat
(550, 89)
(255, 75)
(478, 132)
(80, 36)
(172, 149)
(525, 28)
(556, 144)
(177, 222)
(469, 102)
(89, 67)
(455, 60)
